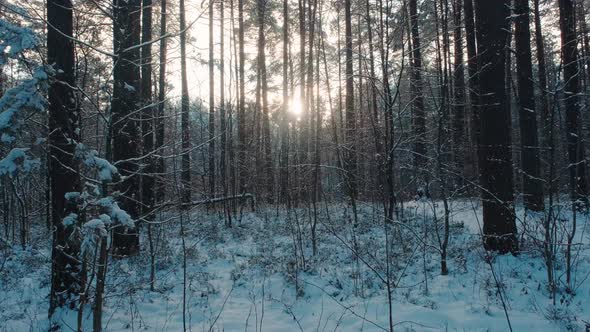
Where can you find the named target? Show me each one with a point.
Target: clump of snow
(116, 213)
(106, 171)
(70, 219)
(92, 231)
(28, 95)
(16, 161)
(14, 40)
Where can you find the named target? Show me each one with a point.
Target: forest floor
(253, 277)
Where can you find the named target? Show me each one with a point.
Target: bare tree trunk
(63, 135)
(100, 282)
(185, 129)
(159, 127)
(266, 143)
(242, 167)
(419, 116)
(529, 141)
(575, 145)
(147, 123)
(388, 109)
(350, 161)
(222, 114)
(211, 174)
(148, 189)
(545, 114)
(126, 138)
(472, 84)
(496, 176)
(284, 157)
(459, 131)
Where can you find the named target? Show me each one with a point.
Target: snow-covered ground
(249, 278)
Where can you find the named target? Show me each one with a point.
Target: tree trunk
(266, 144)
(350, 161)
(211, 174)
(545, 115)
(147, 123)
(472, 83)
(242, 167)
(284, 162)
(459, 91)
(64, 134)
(222, 116)
(159, 127)
(575, 145)
(125, 100)
(529, 141)
(184, 117)
(496, 178)
(419, 116)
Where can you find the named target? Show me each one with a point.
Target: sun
(296, 107)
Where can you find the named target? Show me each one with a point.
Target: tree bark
(575, 145)
(496, 177)
(147, 123)
(350, 162)
(266, 143)
(64, 129)
(472, 83)
(159, 126)
(211, 174)
(459, 90)
(529, 141)
(125, 130)
(242, 167)
(419, 116)
(184, 117)
(284, 157)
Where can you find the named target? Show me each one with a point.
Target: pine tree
(575, 145)
(125, 130)
(495, 169)
(531, 167)
(64, 134)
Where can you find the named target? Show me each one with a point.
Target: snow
(106, 171)
(17, 160)
(244, 278)
(28, 95)
(116, 213)
(15, 40)
(70, 219)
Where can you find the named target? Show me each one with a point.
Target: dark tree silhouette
(124, 105)
(531, 168)
(495, 171)
(63, 129)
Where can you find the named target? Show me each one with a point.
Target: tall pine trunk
(125, 130)
(531, 184)
(268, 181)
(211, 103)
(242, 167)
(459, 90)
(495, 172)
(63, 128)
(284, 156)
(184, 110)
(419, 116)
(147, 121)
(159, 125)
(472, 84)
(350, 160)
(575, 145)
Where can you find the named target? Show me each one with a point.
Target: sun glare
(296, 107)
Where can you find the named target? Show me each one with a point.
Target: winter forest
(294, 165)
